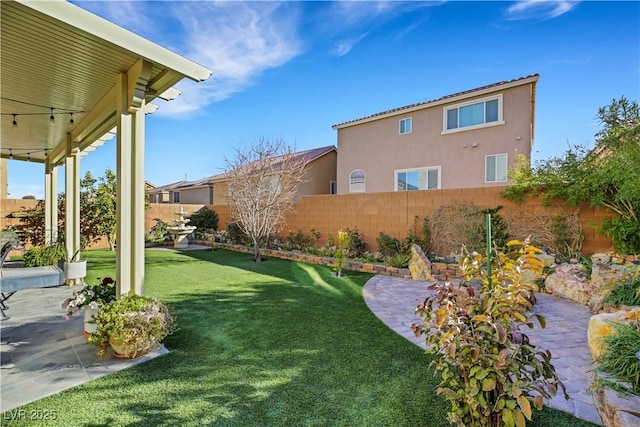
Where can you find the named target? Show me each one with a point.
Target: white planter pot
(89, 328)
(75, 270)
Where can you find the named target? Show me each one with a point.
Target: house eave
(441, 101)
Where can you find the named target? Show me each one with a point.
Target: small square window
(496, 168)
(405, 125)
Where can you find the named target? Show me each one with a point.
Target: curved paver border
(393, 300)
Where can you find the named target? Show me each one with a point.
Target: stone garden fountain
(181, 231)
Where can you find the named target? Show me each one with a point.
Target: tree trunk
(112, 242)
(256, 252)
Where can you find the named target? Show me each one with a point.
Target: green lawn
(269, 344)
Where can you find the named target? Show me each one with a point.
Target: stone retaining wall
(327, 261)
(439, 271)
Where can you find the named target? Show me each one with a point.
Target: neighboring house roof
(167, 187)
(443, 100)
(306, 156)
(204, 182)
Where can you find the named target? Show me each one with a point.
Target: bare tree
(263, 181)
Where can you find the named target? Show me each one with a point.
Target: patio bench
(13, 280)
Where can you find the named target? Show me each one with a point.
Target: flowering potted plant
(132, 326)
(89, 299)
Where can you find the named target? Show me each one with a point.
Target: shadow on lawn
(289, 345)
(277, 354)
(284, 269)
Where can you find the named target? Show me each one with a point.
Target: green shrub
(491, 373)
(158, 232)
(499, 226)
(620, 359)
(625, 234)
(627, 293)
(399, 260)
(588, 266)
(204, 220)
(357, 245)
(422, 239)
(234, 234)
(298, 241)
(371, 257)
(388, 246)
(39, 256)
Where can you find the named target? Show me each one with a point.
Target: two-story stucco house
(467, 139)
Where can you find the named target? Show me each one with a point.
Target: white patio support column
(137, 199)
(50, 203)
(72, 197)
(130, 179)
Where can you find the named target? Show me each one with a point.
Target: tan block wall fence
(390, 212)
(393, 213)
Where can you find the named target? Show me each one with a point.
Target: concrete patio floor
(42, 354)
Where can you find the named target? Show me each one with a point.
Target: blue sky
(290, 70)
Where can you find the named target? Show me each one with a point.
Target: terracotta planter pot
(124, 351)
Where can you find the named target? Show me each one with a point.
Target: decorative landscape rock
(605, 276)
(547, 260)
(532, 276)
(599, 327)
(617, 411)
(420, 265)
(568, 282)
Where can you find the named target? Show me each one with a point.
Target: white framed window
(405, 126)
(418, 179)
(473, 115)
(496, 168)
(356, 181)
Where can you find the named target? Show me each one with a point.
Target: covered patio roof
(60, 59)
(71, 80)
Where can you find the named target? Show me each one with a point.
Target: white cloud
(350, 13)
(539, 9)
(350, 22)
(344, 46)
(238, 41)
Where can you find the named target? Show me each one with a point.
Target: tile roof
(439, 100)
(166, 187)
(304, 156)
